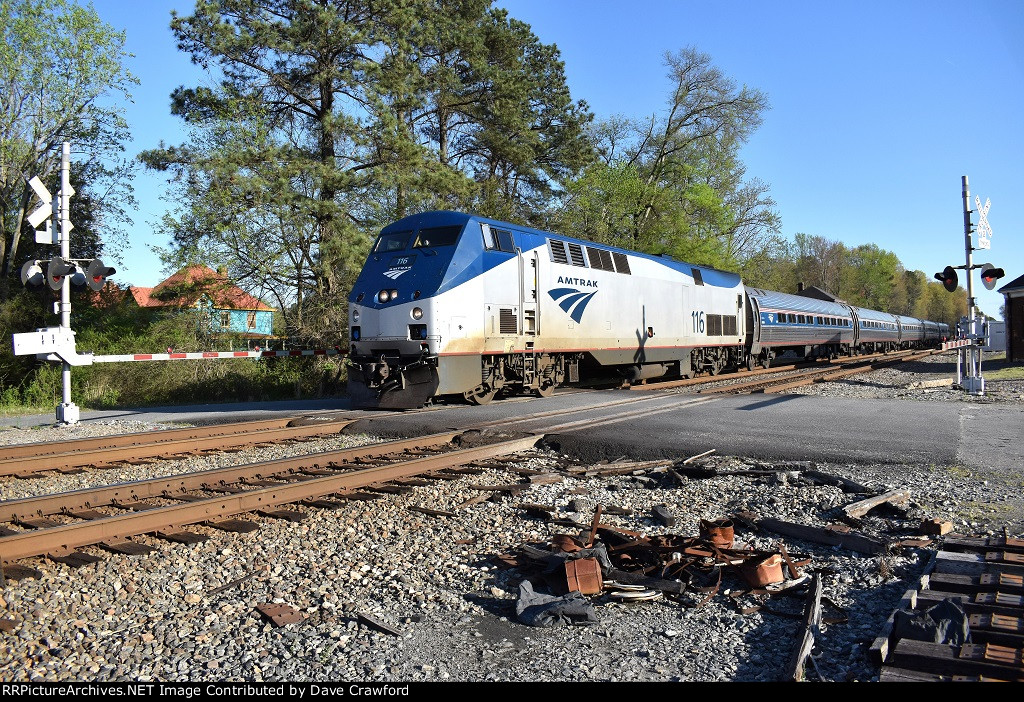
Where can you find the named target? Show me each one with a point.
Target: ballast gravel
(188, 613)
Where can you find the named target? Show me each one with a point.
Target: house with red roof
(231, 310)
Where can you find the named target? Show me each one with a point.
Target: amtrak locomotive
(450, 304)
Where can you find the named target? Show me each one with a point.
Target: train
(454, 305)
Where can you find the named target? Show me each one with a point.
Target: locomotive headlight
(355, 316)
(417, 313)
(383, 296)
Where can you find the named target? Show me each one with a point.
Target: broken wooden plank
(811, 622)
(691, 459)
(828, 479)
(545, 479)
(957, 542)
(433, 512)
(973, 564)
(673, 587)
(377, 624)
(860, 543)
(858, 509)
(510, 489)
(473, 501)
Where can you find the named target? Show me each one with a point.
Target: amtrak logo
(572, 301)
(395, 272)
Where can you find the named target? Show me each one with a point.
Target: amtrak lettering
(577, 281)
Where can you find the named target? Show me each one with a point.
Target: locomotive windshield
(395, 241)
(437, 236)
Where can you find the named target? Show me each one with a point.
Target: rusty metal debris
(936, 527)
(760, 572)
(720, 532)
(634, 567)
(279, 614)
(583, 575)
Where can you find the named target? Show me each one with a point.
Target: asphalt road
(596, 425)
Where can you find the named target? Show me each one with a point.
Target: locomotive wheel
(481, 395)
(750, 361)
(766, 362)
(544, 390)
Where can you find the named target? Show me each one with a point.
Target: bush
(28, 385)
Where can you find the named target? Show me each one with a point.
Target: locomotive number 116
(698, 322)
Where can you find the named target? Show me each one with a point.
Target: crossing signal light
(32, 275)
(989, 275)
(948, 278)
(96, 274)
(56, 270)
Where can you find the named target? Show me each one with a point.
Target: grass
(996, 367)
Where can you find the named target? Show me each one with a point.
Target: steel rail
(169, 486)
(844, 373)
(26, 466)
(41, 448)
(805, 377)
(70, 536)
(702, 379)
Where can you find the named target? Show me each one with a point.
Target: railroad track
(779, 378)
(28, 460)
(985, 576)
(815, 375)
(58, 525)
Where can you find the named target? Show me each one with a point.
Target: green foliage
(674, 184)
(62, 78)
(333, 119)
(30, 385)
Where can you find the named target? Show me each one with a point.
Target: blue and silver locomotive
(451, 304)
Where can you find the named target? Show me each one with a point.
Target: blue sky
(877, 108)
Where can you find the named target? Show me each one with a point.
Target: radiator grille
(508, 323)
(558, 254)
(600, 259)
(576, 254)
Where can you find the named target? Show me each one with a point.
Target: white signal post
(970, 356)
(67, 411)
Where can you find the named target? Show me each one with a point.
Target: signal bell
(989, 275)
(948, 278)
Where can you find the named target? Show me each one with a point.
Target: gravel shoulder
(168, 615)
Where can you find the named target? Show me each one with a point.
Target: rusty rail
(100, 528)
(127, 447)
